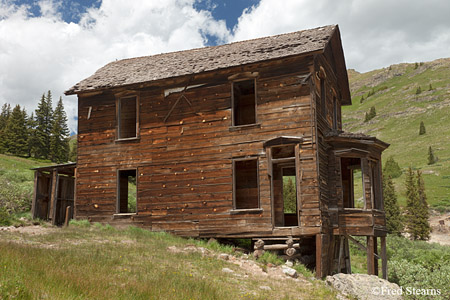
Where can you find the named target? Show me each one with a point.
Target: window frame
(233, 105)
(119, 98)
(256, 158)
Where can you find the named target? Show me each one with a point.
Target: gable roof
(161, 66)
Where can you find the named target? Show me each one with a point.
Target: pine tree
(431, 158)
(391, 168)
(430, 87)
(15, 134)
(422, 129)
(423, 226)
(412, 203)
(59, 140)
(44, 114)
(32, 139)
(362, 99)
(73, 152)
(4, 116)
(394, 218)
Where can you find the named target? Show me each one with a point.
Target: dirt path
(441, 228)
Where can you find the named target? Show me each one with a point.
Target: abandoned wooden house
(205, 139)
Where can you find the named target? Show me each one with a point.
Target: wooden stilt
(348, 265)
(341, 253)
(383, 257)
(319, 256)
(370, 256)
(375, 251)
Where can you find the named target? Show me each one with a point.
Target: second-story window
(244, 102)
(127, 117)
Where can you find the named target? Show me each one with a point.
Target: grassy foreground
(100, 262)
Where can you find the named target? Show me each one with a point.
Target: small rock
(265, 287)
(289, 272)
(226, 270)
(224, 256)
(289, 263)
(270, 265)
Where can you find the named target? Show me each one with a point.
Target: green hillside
(16, 185)
(401, 106)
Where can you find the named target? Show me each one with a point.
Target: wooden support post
(348, 265)
(341, 253)
(319, 256)
(375, 251)
(370, 256)
(383, 257)
(67, 218)
(54, 196)
(35, 195)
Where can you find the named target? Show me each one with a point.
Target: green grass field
(399, 113)
(100, 262)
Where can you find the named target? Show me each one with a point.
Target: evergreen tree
(44, 122)
(59, 139)
(362, 99)
(430, 87)
(412, 203)
(394, 218)
(391, 168)
(4, 115)
(32, 138)
(431, 158)
(15, 134)
(372, 113)
(73, 152)
(422, 129)
(423, 226)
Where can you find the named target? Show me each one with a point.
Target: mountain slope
(400, 108)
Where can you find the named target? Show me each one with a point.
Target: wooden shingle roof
(156, 67)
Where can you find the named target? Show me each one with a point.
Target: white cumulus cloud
(45, 52)
(375, 33)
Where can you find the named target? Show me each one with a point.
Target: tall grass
(100, 262)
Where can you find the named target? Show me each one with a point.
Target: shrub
(14, 198)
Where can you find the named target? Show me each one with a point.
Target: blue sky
(53, 44)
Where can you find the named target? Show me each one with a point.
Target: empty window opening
(127, 117)
(289, 197)
(246, 193)
(323, 96)
(335, 113)
(352, 183)
(127, 190)
(244, 102)
(375, 185)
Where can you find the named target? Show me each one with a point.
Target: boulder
(365, 287)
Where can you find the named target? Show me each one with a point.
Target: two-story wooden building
(206, 138)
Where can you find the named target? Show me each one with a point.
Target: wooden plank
(370, 255)
(383, 258)
(35, 194)
(319, 273)
(54, 196)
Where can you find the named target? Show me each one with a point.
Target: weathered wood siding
(184, 165)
